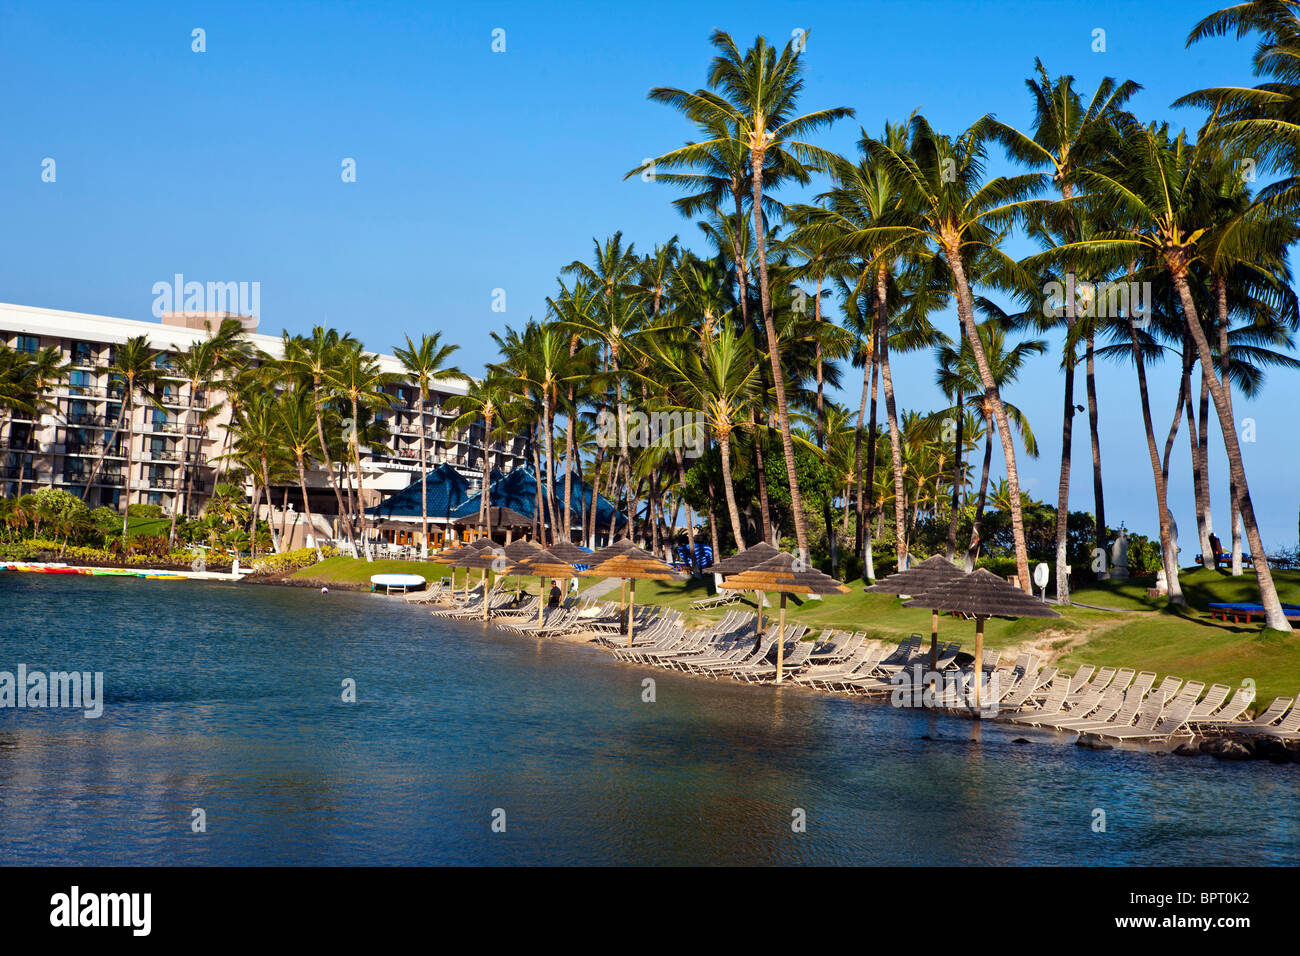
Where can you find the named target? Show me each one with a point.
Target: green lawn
(1139, 633)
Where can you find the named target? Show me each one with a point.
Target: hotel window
(82, 353)
(78, 380)
(27, 343)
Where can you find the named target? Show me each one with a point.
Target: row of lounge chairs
(1108, 703)
(1119, 704)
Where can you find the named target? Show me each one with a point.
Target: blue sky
(479, 170)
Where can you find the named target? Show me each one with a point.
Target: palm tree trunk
(306, 506)
(774, 353)
(724, 446)
(872, 515)
(1273, 613)
(549, 425)
(868, 364)
(329, 470)
(129, 408)
(361, 488)
(1063, 486)
(1198, 478)
(1098, 494)
(1225, 357)
(891, 415)
(270, 506)
(982, 499)
(958, 472)
(99, 461)
(1205, 513)
(487, 477)
(424, 474)
(760, 472)
(966, 310)
(1168, 558)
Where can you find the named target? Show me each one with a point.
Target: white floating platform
(396, 582)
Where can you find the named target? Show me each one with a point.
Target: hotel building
(60, 444)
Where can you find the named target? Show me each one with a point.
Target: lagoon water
(228, 698)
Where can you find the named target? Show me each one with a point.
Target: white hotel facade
(59, 445)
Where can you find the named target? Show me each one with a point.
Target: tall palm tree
(718, 379)
(39, 373)
(751, 106)
(947, 205)
(1065, 136)
(295, 420)
(959, 374)
(134, 371)
(1260, 122)
(197, 364)
(311, 358)
(484, 401)
(425, 363)
(1165, 194)
(359, 381)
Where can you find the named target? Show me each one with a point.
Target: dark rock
(1092, 742)
(923, 736)
(1226, 748)
(1190, 749)
(1020, 740)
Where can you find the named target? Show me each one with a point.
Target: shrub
(290, 561)
(145, 511)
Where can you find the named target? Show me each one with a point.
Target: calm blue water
(228, 698)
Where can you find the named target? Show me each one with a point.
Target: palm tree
(295, 420)
(719, 379)
(1165, 194)
(1262, 121)
(197, 364)
(866, 197)
(38, 374)
(1067, 135)
(425, 363)
(311, 358)
(359, 381)
(483, 402)
(134, 371)
(959, 374)
(754, 111)
(260, 443)
(946, 205)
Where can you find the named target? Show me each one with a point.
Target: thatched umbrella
(632, 565)
(464, 557)
(519, 550)
(499, 517)
(982, 595)
(746, 560)
(485, 559)
(918, 579)
(782, 573)
(546, 564)
(621, 546)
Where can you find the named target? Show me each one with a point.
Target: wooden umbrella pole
(622, 595)
(934, 649)
(485, 595)
(780, 641)
(631, 608)
(979, 660)
(541, 601)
